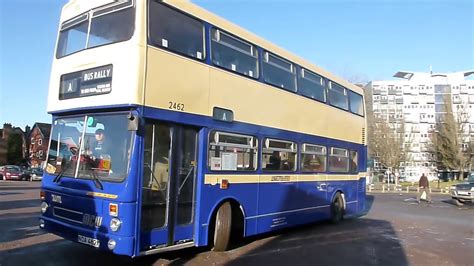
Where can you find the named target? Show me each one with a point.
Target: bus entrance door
(168, 188)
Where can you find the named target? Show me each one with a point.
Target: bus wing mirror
(133, 122)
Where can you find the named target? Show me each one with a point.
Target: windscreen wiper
(92, 172)
(96, 179)
(58, 177)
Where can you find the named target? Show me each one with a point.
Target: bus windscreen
(91, 146)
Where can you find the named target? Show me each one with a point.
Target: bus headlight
(115, 224)
(44, 207)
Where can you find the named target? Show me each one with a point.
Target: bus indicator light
(224, 184)
(42, 195)
(113, 209)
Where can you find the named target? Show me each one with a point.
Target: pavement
(395, 230)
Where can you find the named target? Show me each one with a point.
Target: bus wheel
(223, 226)
(337, 208)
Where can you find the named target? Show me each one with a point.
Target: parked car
(36, 174)
(25, 173)
(463, 192)
(11, 172)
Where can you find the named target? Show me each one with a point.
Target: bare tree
(450, 142)
(387, 143)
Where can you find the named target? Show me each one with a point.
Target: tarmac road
(395, 231)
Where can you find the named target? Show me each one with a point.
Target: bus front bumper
(92, 238)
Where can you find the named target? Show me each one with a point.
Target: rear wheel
(223, 226)
(337, 208)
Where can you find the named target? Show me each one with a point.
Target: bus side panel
(287, 204)
(361, 196)
(176, 83)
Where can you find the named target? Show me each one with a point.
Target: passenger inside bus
(275, 161)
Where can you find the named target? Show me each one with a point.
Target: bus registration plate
(88, 241)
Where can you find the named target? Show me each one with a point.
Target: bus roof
(207, 16)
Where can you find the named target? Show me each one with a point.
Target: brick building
(5, 133)
(38, 147)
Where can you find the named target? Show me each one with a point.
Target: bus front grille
(68, 215)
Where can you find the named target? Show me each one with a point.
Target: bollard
(383, 188)
(408, 189)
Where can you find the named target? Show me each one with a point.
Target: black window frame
(301, 75)
(350, 92)
(238, 39)
(331, 88)
(160, 46)
(266, 56)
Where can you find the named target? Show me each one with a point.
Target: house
(39, 140)
(5, 133)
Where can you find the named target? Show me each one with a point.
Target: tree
(450, 142)
(14, 149)
(386, 143)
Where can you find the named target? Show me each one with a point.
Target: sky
(357, 40)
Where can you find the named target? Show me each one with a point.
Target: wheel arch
(333, 196)
(238, 212)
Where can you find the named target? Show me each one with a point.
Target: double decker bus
(174, 128)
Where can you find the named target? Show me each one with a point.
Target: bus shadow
(5, 188)
(352, 242)
(19, 228)
(59, 252)
(16, 204)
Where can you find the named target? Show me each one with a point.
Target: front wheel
(223, 227)
(337, 208)
(457, 202)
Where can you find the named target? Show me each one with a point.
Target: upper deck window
(108, 24)
(233, 53)
(357, 104)
(337, 96)
(279, 72)
(175, 31)
(312, 85)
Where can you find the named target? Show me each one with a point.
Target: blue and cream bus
(174, 128)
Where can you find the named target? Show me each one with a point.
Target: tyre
(222, 228)
(457, 202)
(337, 208)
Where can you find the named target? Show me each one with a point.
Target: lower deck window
(354, 164)
(313, 158)
(339, 161)
(279, 155)
(232, 152)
